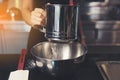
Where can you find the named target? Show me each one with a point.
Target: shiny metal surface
(102, 32)
(62, 22)
(110, 70)
(102, 25)
(94, 13)
(95, 4)
(97, 13)
(58, 59)
(58, 51)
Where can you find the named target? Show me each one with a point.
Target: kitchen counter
(87, 71)
(8, 62)
(20, 26)
(13, 36)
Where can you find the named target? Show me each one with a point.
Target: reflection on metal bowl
(58, 59)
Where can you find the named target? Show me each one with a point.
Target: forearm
(27, 7)
(34, 17)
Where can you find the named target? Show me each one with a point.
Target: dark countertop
(8, 62)
(87, 71)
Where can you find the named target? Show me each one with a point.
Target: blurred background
(100, 21)
(13, 30)
(10, 9)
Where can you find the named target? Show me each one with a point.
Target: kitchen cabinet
(13, 36)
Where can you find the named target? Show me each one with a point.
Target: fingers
(40, 12)
(38, 17)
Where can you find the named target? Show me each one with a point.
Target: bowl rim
(84, 52)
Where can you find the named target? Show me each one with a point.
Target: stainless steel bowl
(58, 59)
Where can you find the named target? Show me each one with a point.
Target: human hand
(38, 17)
